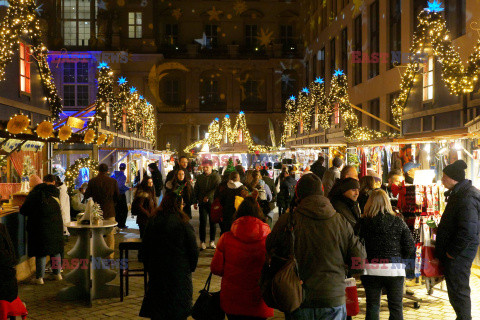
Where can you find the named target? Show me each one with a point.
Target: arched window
(172, 88)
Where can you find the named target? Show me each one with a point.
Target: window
(395, 25)
(24, 68)
(455, 17)
(210, 90)
(357, 47)
(286, 37)
(375, 110)
(171, 34)
(307, 73)
(344, 3)
(332, 56)
(314, 68)
(374, 40)
(251, 36)
(428, 79)
(321, 58)
(344, 40)
(172, 91)
(135, 25)
(211, 31)
(336, 114)
(75, 84)
(251, 91)
(78, 17)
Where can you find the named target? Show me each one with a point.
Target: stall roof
(434, 136)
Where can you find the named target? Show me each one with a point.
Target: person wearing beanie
(332, 174)
(457, 236)
(345, 200)
(314, 247)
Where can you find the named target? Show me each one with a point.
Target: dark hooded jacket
(170, 257)
(44, 224)
(8, 280)
(324, 244)
(227, 200)
(318, 169)
(348, 208)
(459, 230)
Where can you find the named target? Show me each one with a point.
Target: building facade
(370, 40)
(194, 60)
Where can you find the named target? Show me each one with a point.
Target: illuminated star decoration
(265, 37)
(214, 14)
(203, 41)
(102, 5)
(286, 79)
(227, 116)
(144, 3)
(239, 7)
(357, 5)
(305, 90)
(122, 80)
(141, 97)
(177, 13)
(338, 73)
(319, 80)
(241, 112)
(102, 65)
(434, 6)
(132, 90)
(216, 119)
(292, 98)
(39, 9)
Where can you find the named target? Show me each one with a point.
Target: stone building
(194, 60)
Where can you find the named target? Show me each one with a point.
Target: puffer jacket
(459, 230)
(386, 237)
(324, 244)
(239, 259)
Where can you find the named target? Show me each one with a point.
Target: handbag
(216, 211)
(207, 306)
(280, 281)
(431, 265)
(351, 297)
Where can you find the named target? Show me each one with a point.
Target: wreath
(73, 171)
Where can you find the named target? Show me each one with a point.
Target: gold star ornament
(214, 14)
(239, 7)
(177, 13)
(265, 37)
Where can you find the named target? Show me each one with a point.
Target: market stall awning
(461, 133)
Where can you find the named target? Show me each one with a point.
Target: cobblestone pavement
(42, 303)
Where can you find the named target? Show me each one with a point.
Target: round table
(92, 268)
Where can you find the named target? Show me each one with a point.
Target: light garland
(72, 172)
(304, 109)
(119, 104)
(104, 94)
(22, 20)
(431, 30)
(131, 110)
(216, 133)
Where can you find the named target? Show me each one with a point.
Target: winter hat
(456, 170)
(348, 184)
(308, 185)
(337, 162)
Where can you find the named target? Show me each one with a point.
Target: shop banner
(11, 144)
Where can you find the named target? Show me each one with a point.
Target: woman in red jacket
(239, 259)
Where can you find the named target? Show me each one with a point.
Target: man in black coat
(44, 225)
(318, 168)
(458, 236)
(8, 261)
(182, 164)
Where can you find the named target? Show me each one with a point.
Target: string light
(71, 174)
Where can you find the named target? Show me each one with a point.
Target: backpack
(216, 211)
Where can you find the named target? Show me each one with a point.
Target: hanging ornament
(45, 129)
(110, 139)
(65, 133)
(101, 139)
(89, 136)
(18, 124)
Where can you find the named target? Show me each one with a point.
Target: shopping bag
(431, 265)
(216, 211)
(351, 297)
(207, 306)
(238, 202)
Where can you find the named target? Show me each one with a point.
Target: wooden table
(92, 274)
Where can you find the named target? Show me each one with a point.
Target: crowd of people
(342, 225)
